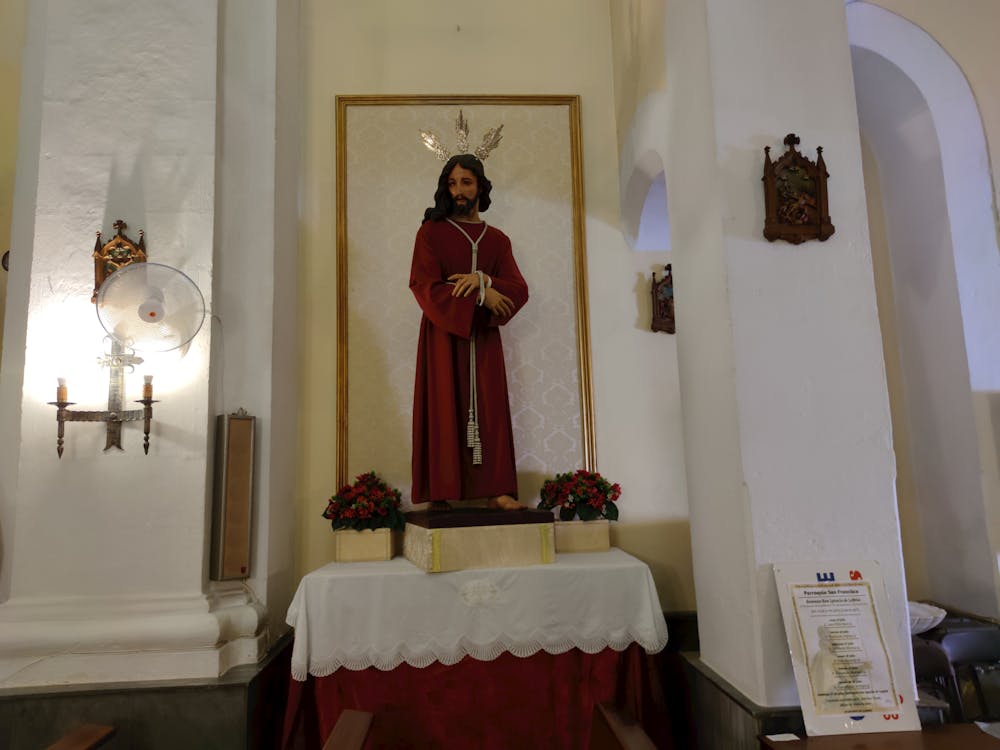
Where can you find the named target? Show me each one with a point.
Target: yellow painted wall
(638, 55)
(967, 31)
(515, 47)
(12, 18)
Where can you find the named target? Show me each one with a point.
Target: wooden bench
(87, 737)
(611, 730)
(350, 731)
(937, 737)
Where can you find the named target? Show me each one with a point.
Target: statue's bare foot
(505, 502)
(439, 505)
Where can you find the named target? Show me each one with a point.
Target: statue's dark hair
(443, 203)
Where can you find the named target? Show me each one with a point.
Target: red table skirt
(542, 701)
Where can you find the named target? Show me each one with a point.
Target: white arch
(918, 112)
(965, 163)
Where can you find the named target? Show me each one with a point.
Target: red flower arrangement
(583, 493)
(369, 503)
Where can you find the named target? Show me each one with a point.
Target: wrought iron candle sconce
(143, 306)
(114, 415)
(109, 257)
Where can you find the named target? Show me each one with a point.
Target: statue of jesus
(467, 284)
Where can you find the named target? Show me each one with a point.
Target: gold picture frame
(384, 179)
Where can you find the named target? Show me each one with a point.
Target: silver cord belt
(472, 439)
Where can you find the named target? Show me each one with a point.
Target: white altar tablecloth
(381, 614)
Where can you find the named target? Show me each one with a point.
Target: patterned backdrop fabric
(390, 180)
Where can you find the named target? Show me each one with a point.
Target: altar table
(490, 658)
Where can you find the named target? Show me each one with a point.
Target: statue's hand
(499, 304)
(465, 284)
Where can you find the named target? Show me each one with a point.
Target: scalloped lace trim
(464, 647)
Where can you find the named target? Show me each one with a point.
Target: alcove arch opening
(934, 250)
(645, 213)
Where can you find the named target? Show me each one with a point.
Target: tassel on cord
(477, 449)
(472, 439)
(472, 428)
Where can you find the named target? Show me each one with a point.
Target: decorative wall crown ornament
(117, 253)
(795, 199)
(491, 139)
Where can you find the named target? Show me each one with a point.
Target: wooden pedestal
(440, 541)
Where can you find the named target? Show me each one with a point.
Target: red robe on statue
(442, 464)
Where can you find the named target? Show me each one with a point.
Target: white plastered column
(786, 415)
(104, 555)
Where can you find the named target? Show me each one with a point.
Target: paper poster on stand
(843, 650)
